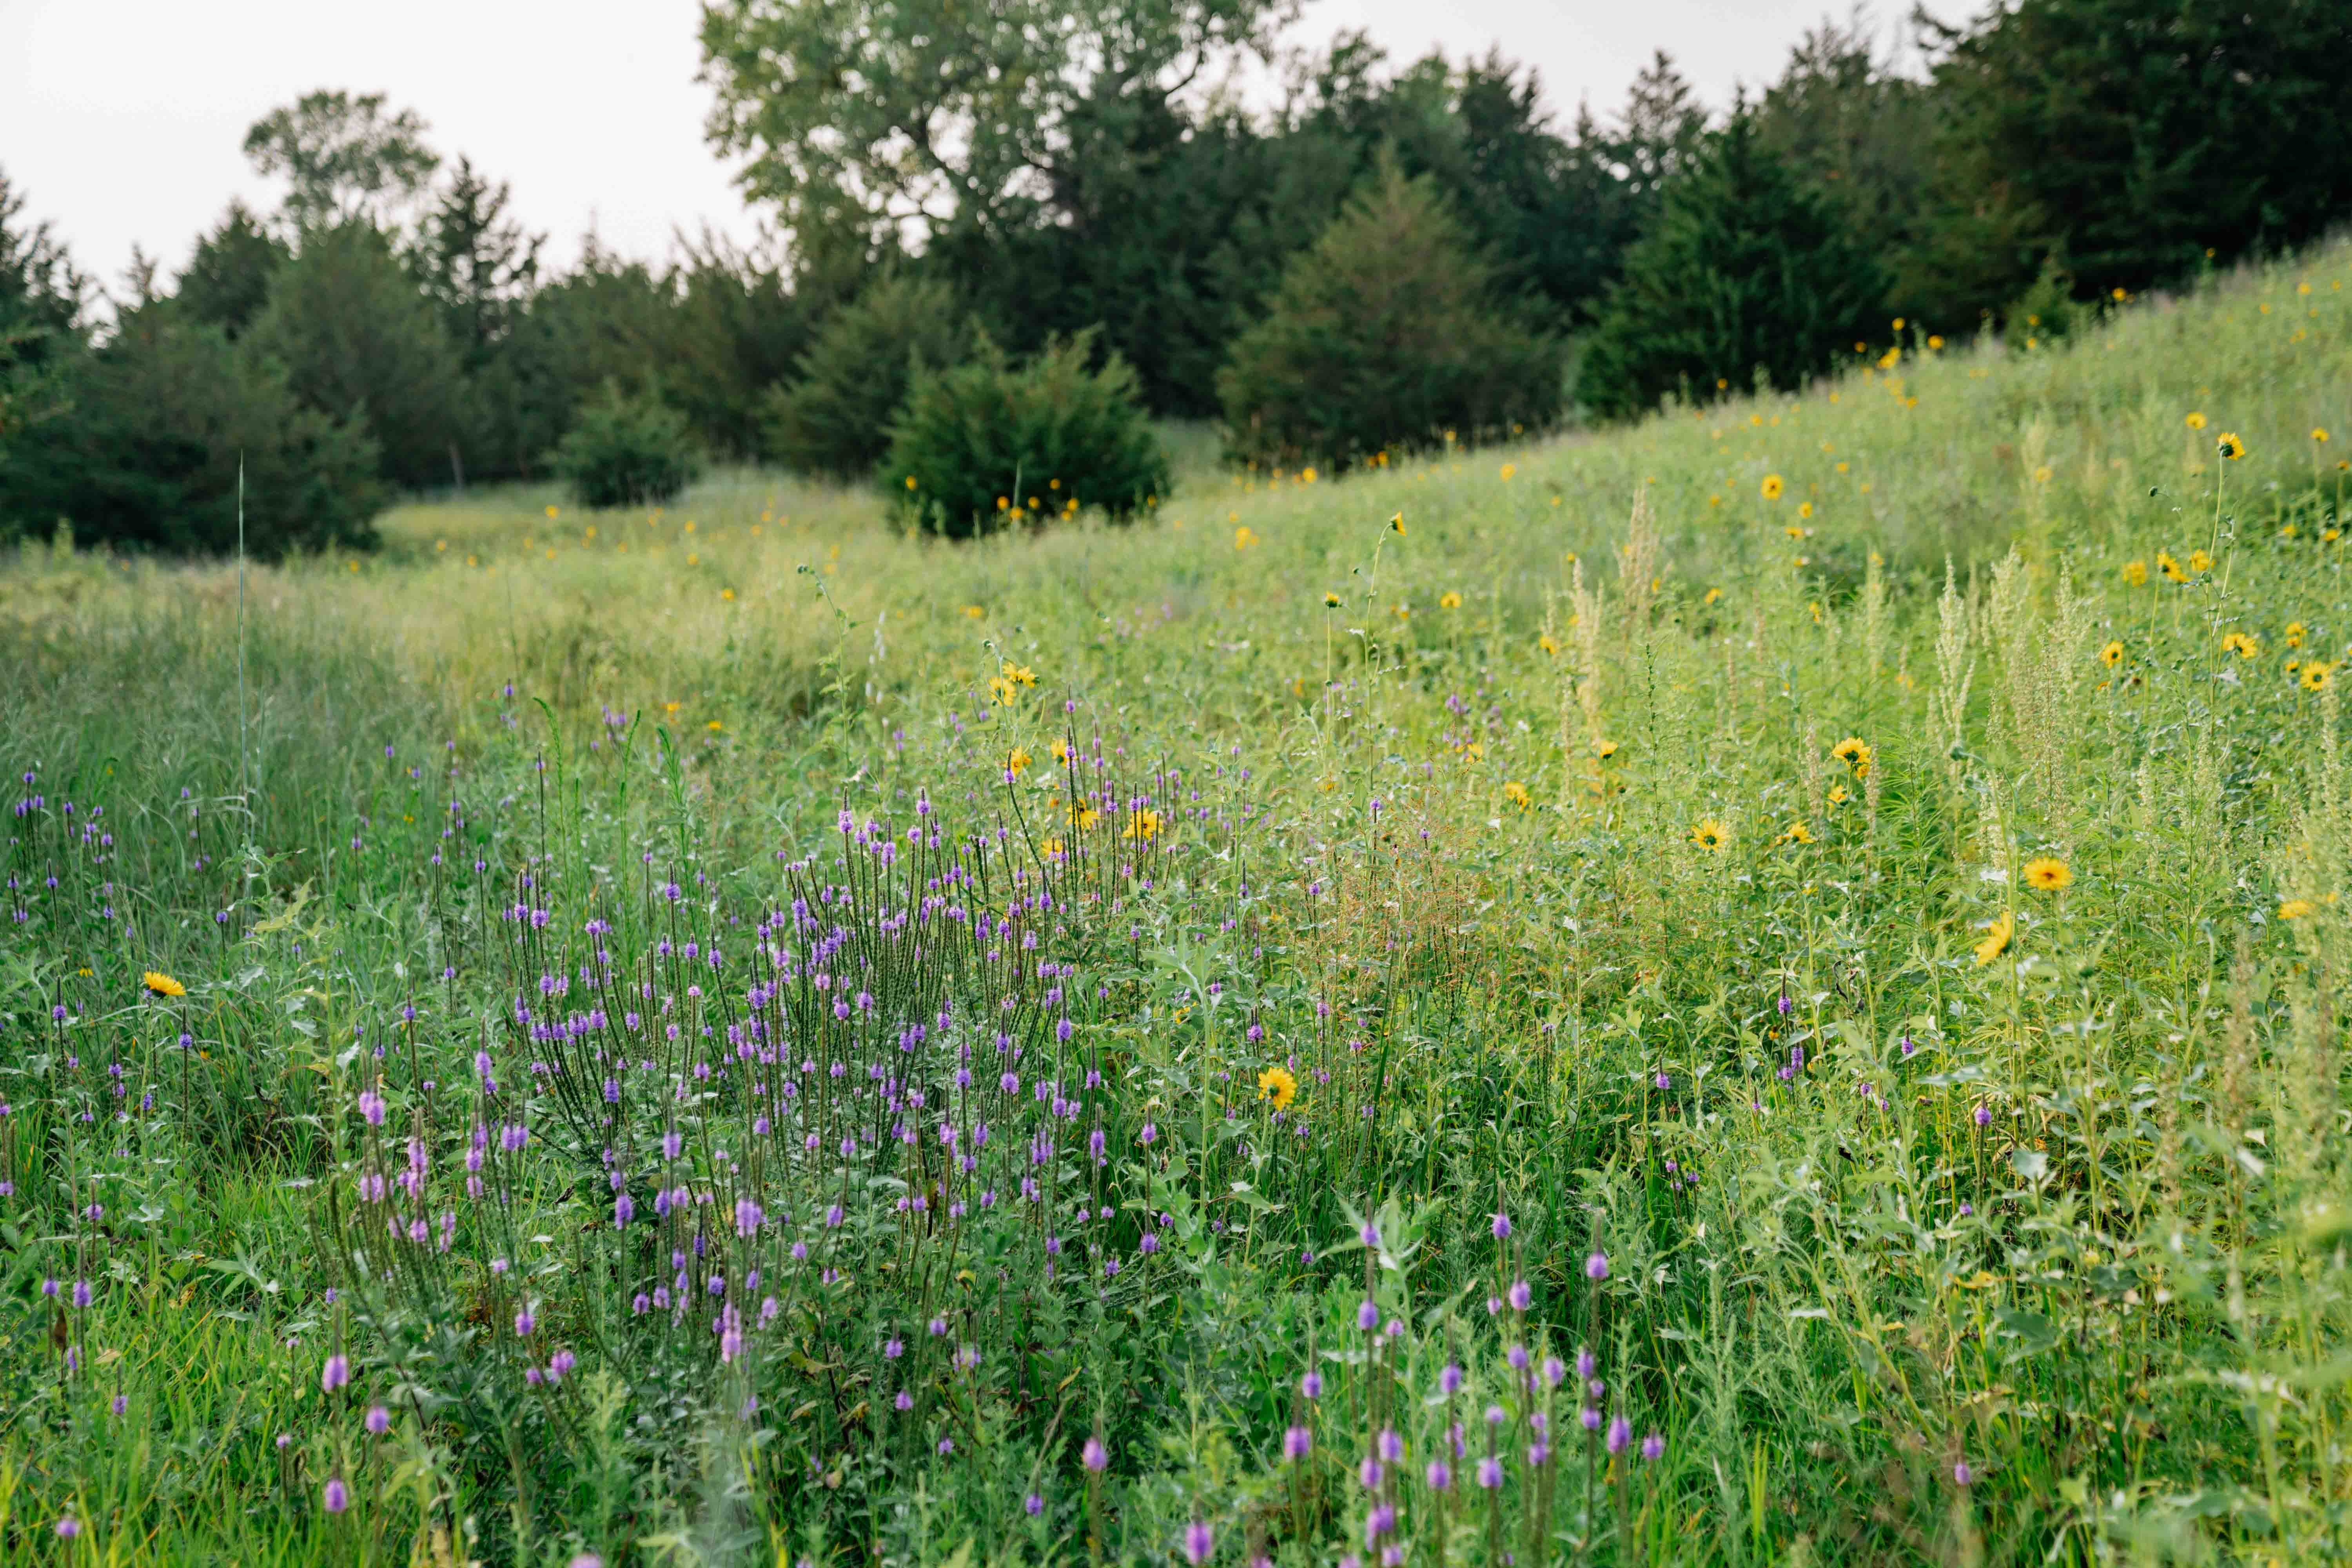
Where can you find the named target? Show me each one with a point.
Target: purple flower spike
(1198, 1542)
(1596, 1267)
(1502, 1225)
(339, 1497)
(1093, 1456)
(1654, 1447)
(1620, 1433)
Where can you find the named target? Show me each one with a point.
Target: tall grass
(1762, 987)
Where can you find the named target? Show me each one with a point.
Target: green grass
(1532, 860)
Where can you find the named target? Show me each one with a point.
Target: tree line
(1390, 254)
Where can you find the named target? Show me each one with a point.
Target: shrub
(626, 450)
(1388, 332)
(985, 439)
(2047, 309)
(148, 452)
(1747, 277)
(834, 418)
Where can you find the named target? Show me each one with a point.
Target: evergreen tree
(163, 416)
(475, 261)
(41, 296)
(1747, 278)
(360, 343)
(2128, 138)
(226, 282)
(833, 418)
(1387, 334)
(1857, 131)
(736, 328)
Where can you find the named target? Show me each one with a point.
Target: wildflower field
(1765, 987)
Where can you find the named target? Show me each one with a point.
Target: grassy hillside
(1763, 987)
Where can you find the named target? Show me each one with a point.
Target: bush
(626, 450)
(1388, 332)
(834, 419)
(1747, 277)
(985, 439)
(148, 450)
(2047, 309)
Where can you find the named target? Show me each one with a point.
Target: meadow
(1764, 986)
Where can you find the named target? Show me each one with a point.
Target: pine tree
(1386, 334)
(226, 282)
(2129, 139)
(833, 418)
(359, 342)
(1747, 277)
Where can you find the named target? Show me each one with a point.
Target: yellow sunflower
(2048, 873)
(1772, 487)
(1276, 1084)
(1996, 939)
(2112, 655)
(1854, 753)
(2296, 909)
(163, 984)
(1710, 834)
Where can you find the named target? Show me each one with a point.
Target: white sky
(120, 120)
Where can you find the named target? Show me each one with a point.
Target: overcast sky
(120, 120)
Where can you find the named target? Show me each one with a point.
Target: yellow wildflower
(2048, 873)
(1996, 939)
(163, 984)
(1276, 1084)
